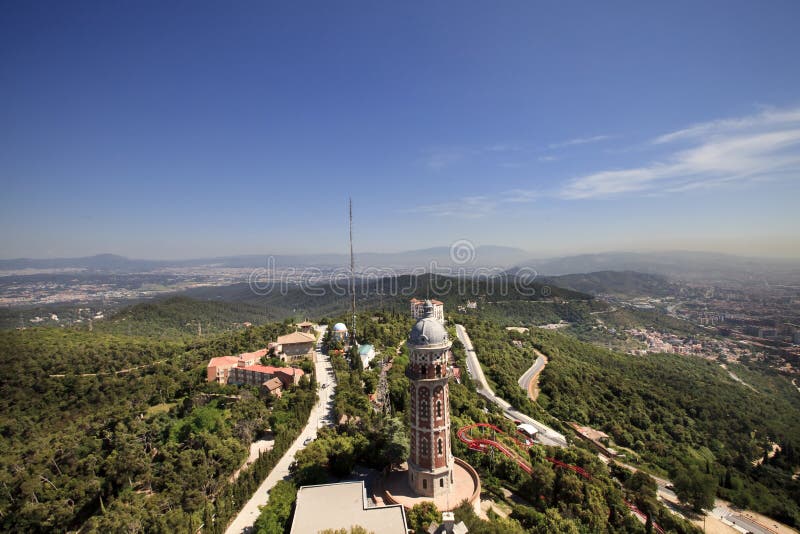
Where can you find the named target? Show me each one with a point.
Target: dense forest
(676, 415)
(180, 317)
(117, 432)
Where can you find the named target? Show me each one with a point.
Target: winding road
(545, 435)
(322, 411)
(529, 377)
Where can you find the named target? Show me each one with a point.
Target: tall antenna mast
(352, 273)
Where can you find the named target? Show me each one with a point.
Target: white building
(367, 354)
(418, 309)
(341, 506)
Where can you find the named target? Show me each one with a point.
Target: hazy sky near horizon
(188, 129)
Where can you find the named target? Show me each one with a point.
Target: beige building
(306, 326)
(341, 506)
(218, 369)
(418, 309)
(243, 370)
(297, 346)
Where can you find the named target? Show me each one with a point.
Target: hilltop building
(418, 309)
(432, 473)
(244, 370)
(339, 332)
(306, 326)
(296, 346)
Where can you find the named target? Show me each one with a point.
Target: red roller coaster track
(484, 445)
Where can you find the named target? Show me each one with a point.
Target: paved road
(320, 413)
(743, 520)
(738, 518)
(526, 379)
(546, 435)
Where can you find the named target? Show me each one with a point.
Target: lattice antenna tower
(352, 276)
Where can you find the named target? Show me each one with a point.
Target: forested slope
(139, 449)
(677, 414)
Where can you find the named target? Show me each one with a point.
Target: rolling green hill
(675, 414)
(179, 317)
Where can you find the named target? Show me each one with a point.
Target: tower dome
(339, 327)
(428, 330)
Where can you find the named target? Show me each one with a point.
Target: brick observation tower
(430, 460)
(432, 473)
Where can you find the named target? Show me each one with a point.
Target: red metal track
(484, 444)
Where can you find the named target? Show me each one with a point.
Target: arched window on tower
(423, 370)
(423, 447)
(438, 371)
(423, 408)
(439, 446)
(438, 408)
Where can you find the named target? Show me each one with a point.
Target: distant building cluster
(659, 342)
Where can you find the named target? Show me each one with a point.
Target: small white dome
(339, 327)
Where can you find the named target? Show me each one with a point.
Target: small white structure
(528, 430)
(339, 332)
(448, 526)
(367, 354)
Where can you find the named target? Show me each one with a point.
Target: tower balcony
(428, 372)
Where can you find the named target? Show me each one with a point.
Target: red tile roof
(223, 360)
(257, 354)
(270, 370)
(273, 384)
(267, 369)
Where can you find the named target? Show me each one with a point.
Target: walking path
(321, 411)
(256, 448)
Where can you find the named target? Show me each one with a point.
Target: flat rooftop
(343, 505)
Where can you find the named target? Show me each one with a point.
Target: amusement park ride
(485, 445)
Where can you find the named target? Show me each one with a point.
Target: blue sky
(186, 129)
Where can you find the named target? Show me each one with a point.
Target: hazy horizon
(529, 254)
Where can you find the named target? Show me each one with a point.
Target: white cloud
(578, 141)
(765, 119)
(474, 207)
(517, 196)
(503, 147)
(724, 151)
(465, 207)
(440, 158)
(443, 157)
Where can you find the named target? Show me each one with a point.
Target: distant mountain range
(482, 256)
(674, 264)
(683, 265)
